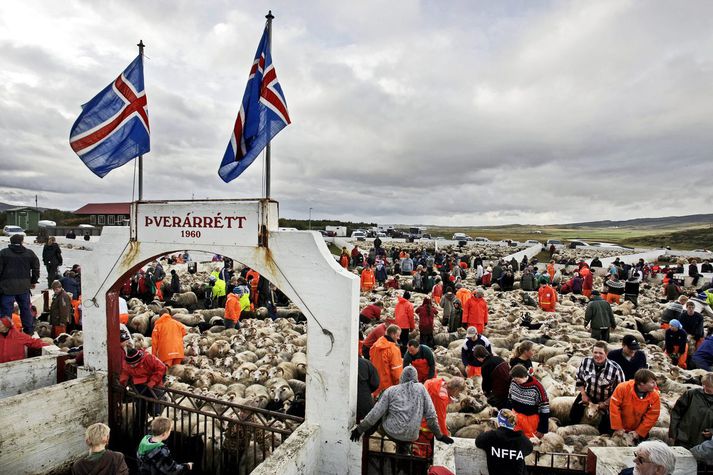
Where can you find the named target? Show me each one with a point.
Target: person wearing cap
(475, 311)
(146, 373)
(505, 448)
(231, 318)
(404, 316)
(635, 405)
(692, 322)
(629, 357)
(167, 340)
(676, 344)
(13, 342)
(599, 314)
(467, 352)
(19, 272)
(125, 338)
(60, 309)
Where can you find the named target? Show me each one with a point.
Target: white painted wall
(26, 375)
(295, 455)
(298, 263)
(43, 430)
(530, 252)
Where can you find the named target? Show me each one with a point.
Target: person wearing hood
(367, 279)
(386, 357)
(13, 342)
(505, 448)
(547, 297)
(400, 410)
(167, 340)
(427, 313)
(404, 315)
(100, 461)
(676, 344)
(527, 281)
(52, 259)
(19, 272)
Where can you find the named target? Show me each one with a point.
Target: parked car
(359, 235)
(460, 237)
(574, 244)
(87, 226)
(532, 242)
(481, 239)
(554, 242)
(10, 230)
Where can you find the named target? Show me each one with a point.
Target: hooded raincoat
(401, 408)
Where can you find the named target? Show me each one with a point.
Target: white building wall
(298, 263)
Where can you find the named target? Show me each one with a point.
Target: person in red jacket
(475, 312)
(146, 373)
(635, 405)
(441, 393)
(167, 340)
(404, 315)
(427, 313)
(233, 309)
(368, 280)
(13, 342)
(371, 312)
(547, 297)
(587, 280)
(375, 333)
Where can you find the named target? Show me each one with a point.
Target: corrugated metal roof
(105, 208)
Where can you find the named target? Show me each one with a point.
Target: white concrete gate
(298, 263)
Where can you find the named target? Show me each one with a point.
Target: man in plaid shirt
(596, 380)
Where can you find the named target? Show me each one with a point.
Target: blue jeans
(23, 300)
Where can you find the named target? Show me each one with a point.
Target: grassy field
(694, 237)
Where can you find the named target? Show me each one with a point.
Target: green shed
(26, 218)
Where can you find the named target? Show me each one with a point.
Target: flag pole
(140, 44)
(269, 17)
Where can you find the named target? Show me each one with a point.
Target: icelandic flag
(262, 115)
(113, 127)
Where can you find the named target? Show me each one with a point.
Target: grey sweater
(401, 408)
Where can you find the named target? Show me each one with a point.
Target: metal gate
(219, 437)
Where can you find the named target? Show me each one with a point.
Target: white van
(554, 242)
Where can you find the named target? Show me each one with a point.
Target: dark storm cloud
(470, 113)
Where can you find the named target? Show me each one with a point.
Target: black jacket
(19, 269)
(505, 450)
(367, 383)
(630, 367)
(52, 255)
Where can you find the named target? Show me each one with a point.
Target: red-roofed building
(106, 214)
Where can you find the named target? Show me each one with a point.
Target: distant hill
(6, 206)
(688, 239)
(667, 222)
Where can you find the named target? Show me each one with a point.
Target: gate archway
(298, 263)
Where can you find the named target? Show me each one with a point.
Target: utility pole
(310, 219)
(269, 17)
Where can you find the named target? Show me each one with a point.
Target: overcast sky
(450, 113)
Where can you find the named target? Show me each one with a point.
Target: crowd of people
(615, 383)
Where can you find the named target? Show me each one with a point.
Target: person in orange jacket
(344, 258)
(386, 358)
(167, 340)
(635, 405)
(441, 393)
(233, 309)
(547, 297)
(368, 280)
(404, 315)
(475, 312)
(551, 270)
(462, 294)
(587, 280)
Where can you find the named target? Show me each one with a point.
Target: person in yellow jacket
(232, 309)
(167, 340)
(218, 290)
